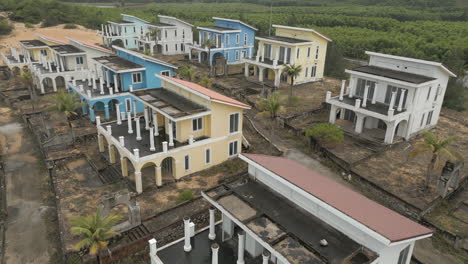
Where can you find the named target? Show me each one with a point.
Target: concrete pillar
(111, 92)
(246, 69)
(109, 129)
(214, 255)
(343, 84)
(129, 120)
(138, 184)
(364, 99)
(101, 143)
(241, 247)
(111, 154)
(135, 111)
(357, 103)
(106, 111)
(171, 135)
(101, 85)
(54, 84)
(136, 153)
(155, 124)
(122, 141)
(147, 127)
(277, 78)
(359, 123)
(352, 84)
(402, 98)
(164, 146)
(187, 245)
(265, 257)
(392, 101)
(116, 83)
(260, 74)
(124, 166)
(91, 114)
(390, 132)
(374, 96)
(332, 118)
(212, 234)
(153, 250)
(152, 148)
(138, 131)
(42, 87)
(158, 175)
(117, 112)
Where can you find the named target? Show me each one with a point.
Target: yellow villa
(185, 128)
(289, 45)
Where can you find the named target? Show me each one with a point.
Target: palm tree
(437, 146)
(271, 105)
(27, 78)
(95, 229)
(66, 103)
(187, 72)
(292, 71)
(206, 82)
(153, 35)
(209, 43)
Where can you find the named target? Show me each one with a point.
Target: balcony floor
(94, 92)
(378, 107)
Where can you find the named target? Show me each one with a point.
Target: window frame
(245, 39)
(237, 38)
(137, 74)
(238, 122)
(198, 122)
(187, 161)
(309, 51)
(210, 155)
(429, 117)
(226, 39)
(128, 105)
(164, 73)
(237, 55)
(404, 254)
(79, 60)
(313, 71)
(317, 50)
(236, 148)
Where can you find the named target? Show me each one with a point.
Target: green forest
(426, 29)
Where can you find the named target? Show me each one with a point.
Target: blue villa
(105, 91)
(232, 40)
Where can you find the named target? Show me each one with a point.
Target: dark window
(187, 162)
(388, 95)
(313, 72)
(317, 52)
(79, 60)
(422, 120)
(402, 259)
(297, 55)
(429, 118)
(307, 71)
(165, 73)
(208, 156)
(136, 77)
(233, 148)
(134, 29)
(197, 124)
(267, 51)
(234, 123)
(175, 33)
(175, 47)
(128, 105)
(167, 47)
(429, 93)
(308, 52)
(361, 86)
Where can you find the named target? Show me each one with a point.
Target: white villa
(171, 34)
(391, 97)
(285, 213)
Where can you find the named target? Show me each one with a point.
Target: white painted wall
(184, 36)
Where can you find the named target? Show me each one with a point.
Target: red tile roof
(380, 219)
(210, 93)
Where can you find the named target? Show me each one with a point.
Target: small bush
(5, 27)
(185, 195)
(69, 26)
(325, 133)
(29, 25)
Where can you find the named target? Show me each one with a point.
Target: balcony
(265, 62)
(99, 89)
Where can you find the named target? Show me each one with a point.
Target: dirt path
(27, 235)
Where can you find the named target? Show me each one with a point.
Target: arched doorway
(158, 48)
(99, 110)
(148, 175)
(113, 111)
(168, 170)
(219, 64)
(48, 85)
(60, 82)
(204, 57)
(401, 129)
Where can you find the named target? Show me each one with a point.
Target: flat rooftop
(394, 74)
(219, 28)
(286, 39)
(117, 63)
(169, 102)
(66, 49)
(33, 43)
(284, 226)
(121, 22)
(161, 24)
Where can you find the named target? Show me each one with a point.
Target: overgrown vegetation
(185, 195)
(326, 133)
(69, 26)
(5, 27)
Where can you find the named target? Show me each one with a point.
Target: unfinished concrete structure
(391, 97)
(286, 213)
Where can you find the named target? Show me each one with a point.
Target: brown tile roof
(378, 218)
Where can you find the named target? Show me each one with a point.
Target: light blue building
(231, 40)
(105, 91)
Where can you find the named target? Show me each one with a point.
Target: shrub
(5, 27)
(455, 96)
(69, 26)
(28, 25)
(185, 195)
(325, 133)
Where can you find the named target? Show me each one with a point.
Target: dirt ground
(30, 223)
(21, 32)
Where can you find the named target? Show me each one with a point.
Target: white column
(402, 97)
(135, 112)
(246, 69)
(171, 135)
(374, 96)
(117, 112)
(109, 129)
(155, 124)
(187, 246)
(392, 100)
(240, 248)
(265, 257)
(122, 141)
(98, 120)
(54, 84)
(260, 74)
(359, 123)
(152, 148)
(115, 83)
(138, 184)
(138, 131)
(212, 234)
(332, 118)
(107, 77)
(129, 119)
(352, 83)
(147, 127)
(364, 99)
(343, 84)
(164, 146)
(153, 250)
(136, 153)
(214, 255)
